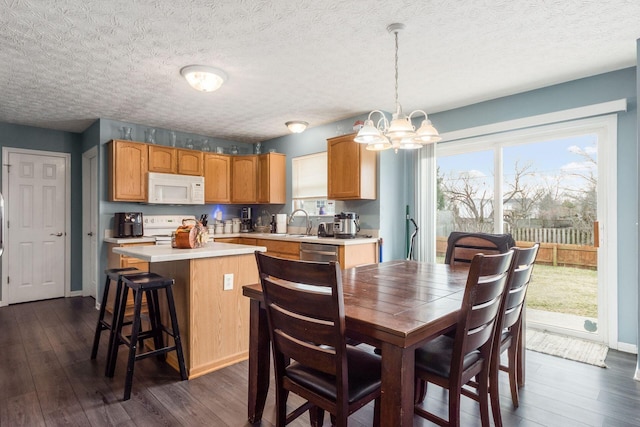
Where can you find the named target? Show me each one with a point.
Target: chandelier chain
(396, 34)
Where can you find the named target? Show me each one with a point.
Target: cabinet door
(243, 179)
(217, 178)
(190, 162)
(272, 177)
(127, 171)
(162, 159)
(351, 170)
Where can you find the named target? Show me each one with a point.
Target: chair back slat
(519, 278)
(305, 311)
(481, 302)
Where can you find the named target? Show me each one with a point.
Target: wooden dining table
(395, 306)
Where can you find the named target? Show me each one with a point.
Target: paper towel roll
(281, 223)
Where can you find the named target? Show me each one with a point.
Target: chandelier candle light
(400, 133)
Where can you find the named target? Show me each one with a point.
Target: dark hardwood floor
(47, 378)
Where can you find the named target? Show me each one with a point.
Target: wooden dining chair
(462, 246)
(305, 311)
(451, 362)
(509, 328)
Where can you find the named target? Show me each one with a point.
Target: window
(309, 184)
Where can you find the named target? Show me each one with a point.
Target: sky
(549, 160)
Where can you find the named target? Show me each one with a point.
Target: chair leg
(376, 412)
(176, 333)
(281, 406)
(454, 407)
(100, 326)
(316, 416)
(135, 329)
(115, 316)
(155, 321)
(494, 391)
(419, 391)
(512, 353)
(483, 397)
(117, 332)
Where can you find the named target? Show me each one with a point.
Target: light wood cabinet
(190, 162)
(128, 167)
(163, 159)
(272, 176)
(352, 170)
(355, 255)
(279, 248)
(217, 178)
(121, 261)
(244, 179)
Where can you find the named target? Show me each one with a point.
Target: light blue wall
(386, 213)
(601, 88)
(32, 138)
(111, 129)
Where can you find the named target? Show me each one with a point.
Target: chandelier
(400, 132)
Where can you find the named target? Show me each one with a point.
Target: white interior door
(36, 226)
(90, 222)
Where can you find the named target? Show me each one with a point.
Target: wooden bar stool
(113, 275)
(147, 284)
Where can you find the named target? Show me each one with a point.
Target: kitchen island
(213, 316)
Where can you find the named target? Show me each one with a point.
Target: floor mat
(567, 347)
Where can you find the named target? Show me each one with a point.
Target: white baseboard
(627, 348)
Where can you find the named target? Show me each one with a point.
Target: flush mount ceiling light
(204, 78)
(400, 133)
(297, 126)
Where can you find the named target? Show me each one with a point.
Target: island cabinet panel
(354, 255)
(214, 323)
(217, 178)
(128, 167)
(190, 162)
(244, 179)
(351, 170)
(272, 176)
(163, 159)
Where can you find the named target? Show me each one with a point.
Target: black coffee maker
(246, 224)
(127, 224)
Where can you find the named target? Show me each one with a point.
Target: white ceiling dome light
(297, 126)
(204, 78)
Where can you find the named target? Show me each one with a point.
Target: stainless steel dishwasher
(318, 252)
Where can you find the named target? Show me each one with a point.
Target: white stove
(161, 226)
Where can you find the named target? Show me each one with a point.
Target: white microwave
(171, 189)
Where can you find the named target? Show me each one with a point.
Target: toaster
(325, 229)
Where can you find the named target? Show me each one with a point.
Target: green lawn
(564, 290)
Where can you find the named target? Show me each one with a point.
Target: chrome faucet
(308, 230)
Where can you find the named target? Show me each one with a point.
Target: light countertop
(160, 253)
(300, 238)
(125, 240)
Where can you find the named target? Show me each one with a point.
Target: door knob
(55, 234)
(90, 233)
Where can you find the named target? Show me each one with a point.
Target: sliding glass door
(540, 185)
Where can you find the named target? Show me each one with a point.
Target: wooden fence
(556, 254)
(569, 236)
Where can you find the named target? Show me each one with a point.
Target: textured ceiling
(64, 63)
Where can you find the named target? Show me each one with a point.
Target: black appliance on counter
(246, 219)
(127, 224)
